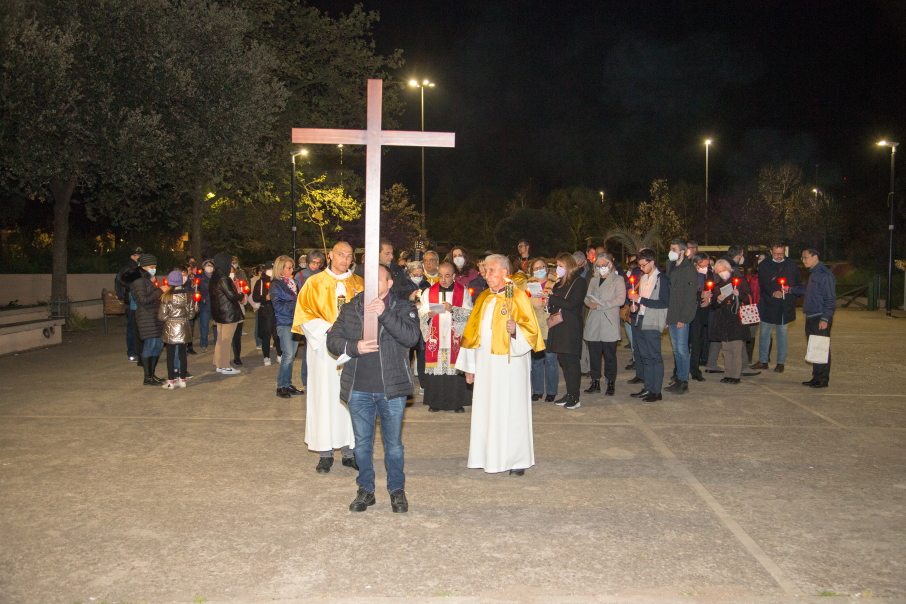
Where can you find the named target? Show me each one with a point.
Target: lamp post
(422, 86)
(601, 193)
(893, 153)
(707, 147)
(292, 196)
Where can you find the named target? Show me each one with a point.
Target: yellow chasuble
(520, 310)
(432, 280)
(318, 298)
(520, 279)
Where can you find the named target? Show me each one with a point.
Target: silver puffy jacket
(176, 315)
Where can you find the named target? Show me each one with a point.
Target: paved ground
(762, 492)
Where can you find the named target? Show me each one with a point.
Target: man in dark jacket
(776, 308)
(819, 306)
(652, 297)
(681, 311)
(698, 331)
(143, 288)
(226, 311)
(123, 295)
(376, 382)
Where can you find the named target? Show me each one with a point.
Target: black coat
(773, 310)
(222, 294)
(724, 324)
(398, 331)
(146, 294)
(566, 337)
(118, 285)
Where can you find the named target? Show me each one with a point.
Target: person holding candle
(777, 306)
(565, 338)
(328, 425)
(226, 311)
(545, 373)
(144, 288)
(241, 280)
(632, 278)
(177, 308)
(606, 294)
(204, 305)
(652, 297)
(267, 320)
(445, 387)
(818, 307)
(699, 341)
(416, 285)
(726, 328)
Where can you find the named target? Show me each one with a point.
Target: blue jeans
(152, 348)
(680, 338)
(545, 374)
(288, 346)
(204, 322)
(258, 342)
(764, 343)
(648, 342)
(365, 407)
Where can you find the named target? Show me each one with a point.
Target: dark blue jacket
(204, 303)
(283, 299)
(777, 311)
(820, 293)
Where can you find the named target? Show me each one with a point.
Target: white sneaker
(182, 383)
(267, 361)
(257, 348)
(230, 371)
(219, 370)
(279, 359)
(169, 385)
(245, 334)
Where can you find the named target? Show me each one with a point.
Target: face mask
(232, 275)
(208, 270)
(151, 271)
(561, 272)
(269, 272)
(603, 270)
(417, 280)
(459, 261)
(742, 260)
(541, 273)
(673, 256)
(777, 261)
(235, 265)
(702, 270)
(725, 275)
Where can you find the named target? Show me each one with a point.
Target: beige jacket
(176, 315)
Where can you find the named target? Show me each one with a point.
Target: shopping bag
(748, 314)
(818, 349)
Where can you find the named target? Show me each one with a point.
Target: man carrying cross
(328, 425)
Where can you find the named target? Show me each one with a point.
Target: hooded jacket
(222, 294)
(146, 294)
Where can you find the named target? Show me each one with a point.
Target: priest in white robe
(328, 425)
(495, 356)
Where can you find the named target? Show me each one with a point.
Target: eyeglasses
(643, 265)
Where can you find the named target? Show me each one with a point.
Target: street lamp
(422, 86)
(707, 147)
(601, 193)
(893, 152)
(292, 196)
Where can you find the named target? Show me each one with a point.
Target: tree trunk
(62, 195)
(200, 204)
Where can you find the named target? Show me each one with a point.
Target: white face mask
(561, 272)
(235, 265)
(417, 280)
(603, 270)
(208, 270)
(459, 261)
(778, 261)
(674, 256)
(232, 275)
(742, 260)
(725, 275)
(269, 272)
(702, 270)
(541, 273)
(151, 271)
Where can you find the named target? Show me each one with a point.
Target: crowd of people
(491, 332)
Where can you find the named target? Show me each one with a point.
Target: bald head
(340, 257)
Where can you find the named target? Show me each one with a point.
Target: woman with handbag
(565, 325)
(725, 325)
(545, 375)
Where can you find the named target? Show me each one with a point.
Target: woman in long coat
(565, 338)
(724, 325)
(606, 294)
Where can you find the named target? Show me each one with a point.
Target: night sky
(612, 94)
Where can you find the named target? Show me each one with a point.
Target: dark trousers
(130, 331)
(572, 372)
(237, 341)
(820, 371)
(267, 331)
(172, 351)
(699, 344)
(609, 351)
(649, 345)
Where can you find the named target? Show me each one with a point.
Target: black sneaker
(362, 500)
(398, 502)
(572, 404)
(563, 400)
(349, 462)
(324, 465)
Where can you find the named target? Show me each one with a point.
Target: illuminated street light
(893, 153)
(707, 147)
(292, 196)
(422, 86)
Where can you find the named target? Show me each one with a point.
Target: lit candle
(782, 281)
(735, 281)
(632, 285)
(267, 285)
(197, 297)
(709, 285)
(165, 283)
(197, 281)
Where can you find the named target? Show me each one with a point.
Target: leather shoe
(698, 378)
(294, 391)
(282, 393)
(237, 361)
(517, 472)
(550, 398)
(631, 366)
(595, 386)
(432, 410)
(652, 398)
(760, 365)
(459, 410)
(610, 389)
(536, 397)
(779, 368)
(725, 380)
(714, 370)
(640, 394)
(324, 465)
(398, 502)
(729, 380)
(810, 382)
(362, 500)
(635, 380)
(819, 385)
(750, 374)
(349, 462)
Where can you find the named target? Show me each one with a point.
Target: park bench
(24, 335)
(112, 305)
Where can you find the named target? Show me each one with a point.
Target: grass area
(78, 322)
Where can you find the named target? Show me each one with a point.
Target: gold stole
(521, 312)
(318, 298)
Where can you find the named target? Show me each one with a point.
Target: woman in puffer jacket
(177, 308)
(226, 310)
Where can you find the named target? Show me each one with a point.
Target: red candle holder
(735, 281)
(197, 281)
(782, 281)
(472, 291)
(197, 297)
(267, 285)
(166, 283)
(709, 285)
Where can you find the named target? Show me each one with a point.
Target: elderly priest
(495, 356)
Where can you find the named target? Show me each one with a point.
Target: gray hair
(433, 253)
(681, 244)
(723, 262)
(580, 258)
(500, 259)
(606, 255)
(414, 266)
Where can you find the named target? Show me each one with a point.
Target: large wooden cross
(373, 137)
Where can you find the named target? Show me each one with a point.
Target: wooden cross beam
(373, 137)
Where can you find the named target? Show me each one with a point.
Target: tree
(658, 214)
(327, 206)
(547, 231)
(582, 209)
(780, 191)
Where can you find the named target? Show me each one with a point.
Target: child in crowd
(177, 308)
